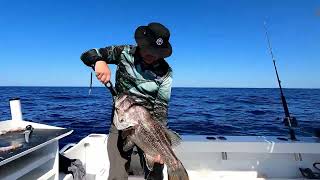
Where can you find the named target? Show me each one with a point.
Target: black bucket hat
(154, 38)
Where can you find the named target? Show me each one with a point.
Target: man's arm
(100, 58)
(109, 54)
(162, 101)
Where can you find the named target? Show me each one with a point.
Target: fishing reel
(27, 133)
(290, 121)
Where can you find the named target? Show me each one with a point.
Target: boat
(204, 157)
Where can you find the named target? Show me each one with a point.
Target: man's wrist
(100, 61)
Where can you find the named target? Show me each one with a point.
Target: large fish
(139, 128)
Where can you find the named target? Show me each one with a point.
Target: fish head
(124, 114)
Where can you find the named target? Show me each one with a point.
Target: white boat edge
(236, 157)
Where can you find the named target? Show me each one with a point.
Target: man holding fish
(143, 84)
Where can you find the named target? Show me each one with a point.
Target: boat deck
(231, 157)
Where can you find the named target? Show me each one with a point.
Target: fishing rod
(288, 120)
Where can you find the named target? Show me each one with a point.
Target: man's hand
(102, 71)
(158, 159)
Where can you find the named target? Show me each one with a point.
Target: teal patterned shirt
(150, 85)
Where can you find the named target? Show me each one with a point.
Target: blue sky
(215, 43)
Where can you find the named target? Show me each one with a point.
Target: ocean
(198, 111)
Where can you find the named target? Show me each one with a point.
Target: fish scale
(155, 142)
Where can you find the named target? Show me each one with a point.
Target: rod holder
(15, 107)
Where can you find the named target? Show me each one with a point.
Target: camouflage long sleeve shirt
(151, 85)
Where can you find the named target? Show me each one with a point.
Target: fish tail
(178, 173)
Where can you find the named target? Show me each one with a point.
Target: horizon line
(217, 87)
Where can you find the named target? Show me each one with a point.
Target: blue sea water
(204, 111)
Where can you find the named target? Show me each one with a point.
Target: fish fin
(149, 161)
(127, 132)
(173, 136)
(178, 173)
(126, 135)
(128, 144)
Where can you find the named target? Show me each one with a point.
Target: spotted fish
(139, 128)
